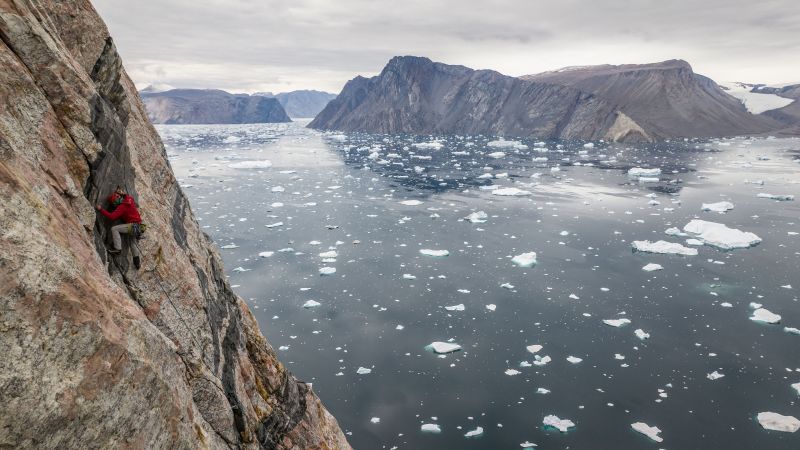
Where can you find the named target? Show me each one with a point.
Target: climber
(123, 207)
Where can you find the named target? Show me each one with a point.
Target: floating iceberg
(765, 316)
(458, 307)
(502, 143)
(651, 432)
(561, 425)
(512, 372)
(525, 259)
(311, 304)
(434, 145)
(719, 207)
(720, 236)
(363, 371)
(778, 422)
(664, 248)
(510, 192)
(574, 359)
(534, 348)
(442, 348)
(641, 334)
(641, 172)
(263, 164)
(652, 267)
(434, 253)
(496, 155)
(430, 428)
(478, 217)
(616, 322)
(779, 197)
(327, 270)
(411, 202)
(477, 432)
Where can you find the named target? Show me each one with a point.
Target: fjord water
(343, 193)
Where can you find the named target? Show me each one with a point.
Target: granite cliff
(95, 353)
(205, 106)
(621, 103)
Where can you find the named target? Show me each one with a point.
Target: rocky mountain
(185, 106)
(95, 353)
(303, 103)
(621, 103)
(788, 115)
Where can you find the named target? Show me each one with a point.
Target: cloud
(249, 45)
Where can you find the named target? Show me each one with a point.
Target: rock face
(303, 103)
(623, 103)
(95, 353)
(789, 115)
(204, 106)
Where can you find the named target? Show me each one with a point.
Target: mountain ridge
(211, 106)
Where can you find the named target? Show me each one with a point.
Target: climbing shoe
(137, 262)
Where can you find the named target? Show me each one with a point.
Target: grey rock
(95, 353)
(302, 103)
(207, 106)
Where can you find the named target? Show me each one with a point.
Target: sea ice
(525, 259)
(714, 375)
(651, 432)
(443, 348)
(641, 334)
(541, 360)
(764, 315)
(502, 143)
(411, 202)
(664, 247)
(510, 192)
(496, 155)
(431, 428)
(652, 267)
(434, 253)
(561, 424)
(641, 172)
(375, 420)
(542, 391)
(311, 304)
(330, 254)
(780, 197)
(266, 254)
(434, 145)
(616, 322)
(264, 164)
(574, 359)
(458, 307)
(534, 348)
(719, 207)
(363, 371)
(327, 270)
(491, 307)
(478, 217)
(796, 387)
(477, 432)
(778, 422)
(512, 372)
(720, 236)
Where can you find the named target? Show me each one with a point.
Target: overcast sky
(273, 45)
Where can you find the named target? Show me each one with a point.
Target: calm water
(386, 301)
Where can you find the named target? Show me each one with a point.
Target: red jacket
(126, 211)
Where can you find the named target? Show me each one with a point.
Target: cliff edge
(95, 353)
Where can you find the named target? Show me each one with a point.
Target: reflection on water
(340, 201)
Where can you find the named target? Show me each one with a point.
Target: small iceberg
(458, 307)
(641, 334)
(778, 422)
(664, 248)
(476, 433)
(616, 322)
(637, 172)
(719, 207)
(533, 348)
(434, 253)
(430, 428)
(651, 432)
(779, 197)
(510, 192)
(765, 316)
(263, 164)
(311, 304)
(363, 371)
(561, 425)
(434, 145)
(652, 267)
(442, 348)
(411, 202)
(478, 217)
(525, 259)
(327, 270)
(714, 375)
(720, 236)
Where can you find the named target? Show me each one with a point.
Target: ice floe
(720, 236)
(765, 316)
(616, 322)
(652, 267)
(311, 304)
(533, 348)
(263, 164)
(525, 259)
(642, 172)
(664, 248)
(561, 425)
(327, 270)
(411, 202)
(477, 432)
(714, 375)
(510, 192)
(443, 348)
(719, 207)
(458, 307)
(431, 428)
(779, 197)
(778, 422)
(478, 217)
(363, 371)
(651, 432)
(434, 253)
(641, 334)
